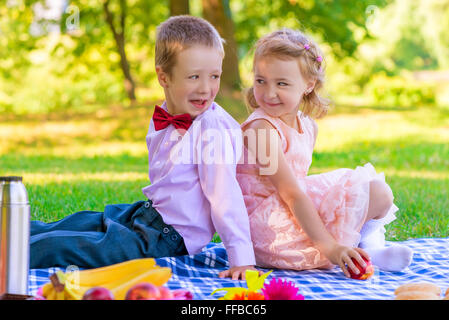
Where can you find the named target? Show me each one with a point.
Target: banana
(100, 276)
(77, 291)
(117, 278)
(60, 295)
(71, 294)
(46, 289)
(157, 277)
(51, 295)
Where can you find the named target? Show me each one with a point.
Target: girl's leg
(381, 212)
(381, 200)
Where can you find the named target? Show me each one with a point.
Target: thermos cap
(12, 191)
(11, 178)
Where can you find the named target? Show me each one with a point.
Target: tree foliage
(84, 62)
(333, 21)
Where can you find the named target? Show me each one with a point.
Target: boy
(187, 201)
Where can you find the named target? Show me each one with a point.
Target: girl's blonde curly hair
(290, 44)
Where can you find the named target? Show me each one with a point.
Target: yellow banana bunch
(117, 278)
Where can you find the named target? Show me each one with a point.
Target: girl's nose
(271, 93)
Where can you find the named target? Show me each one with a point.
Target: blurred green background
(78, 87)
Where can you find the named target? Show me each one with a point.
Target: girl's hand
(237, 272)
(341, 256)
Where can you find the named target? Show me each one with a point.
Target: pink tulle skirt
(341, 198)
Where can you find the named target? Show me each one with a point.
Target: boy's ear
(162, 77)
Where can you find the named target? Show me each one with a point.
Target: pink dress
(341, 198)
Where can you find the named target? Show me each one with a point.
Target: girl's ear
(310, 87)
(162, 77)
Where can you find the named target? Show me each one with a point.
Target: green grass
(74, 162)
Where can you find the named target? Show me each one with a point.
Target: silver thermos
(14, 236)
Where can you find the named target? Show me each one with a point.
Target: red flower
(279, 289)
(250, 295)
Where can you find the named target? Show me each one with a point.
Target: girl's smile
(272, 105)
(279, 87)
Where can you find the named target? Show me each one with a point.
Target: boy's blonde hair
(181, 32)
(291, 44)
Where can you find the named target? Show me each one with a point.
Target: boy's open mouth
(200, 104)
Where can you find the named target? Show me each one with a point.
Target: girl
(299, 221)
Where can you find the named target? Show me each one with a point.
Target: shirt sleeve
(219, 151)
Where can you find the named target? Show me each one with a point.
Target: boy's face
(194, 81)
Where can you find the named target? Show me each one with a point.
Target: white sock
(393, 258)
(373, 231)
(372, 234)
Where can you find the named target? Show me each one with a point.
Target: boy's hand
(237, 272)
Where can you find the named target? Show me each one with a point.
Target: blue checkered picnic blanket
(199, 274)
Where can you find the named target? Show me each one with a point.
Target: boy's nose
(204, 87)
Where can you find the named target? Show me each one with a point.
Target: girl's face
(279, 86)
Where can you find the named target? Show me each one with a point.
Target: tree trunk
(218, 13)
(178, 7)
(119, 36)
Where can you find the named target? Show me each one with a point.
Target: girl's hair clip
(319, 59)
(307, 46)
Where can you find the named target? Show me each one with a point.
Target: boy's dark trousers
(90, 239)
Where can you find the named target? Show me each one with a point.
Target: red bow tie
(162, 119)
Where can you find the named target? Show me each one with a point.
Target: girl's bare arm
(298, 202)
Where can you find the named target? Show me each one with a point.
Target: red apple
(143, 291)
(365, 273)
(181, 294)
(166, 294)
(98, 293)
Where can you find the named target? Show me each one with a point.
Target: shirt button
(166, 144)
(174, 237)
(147, 204)
(166, 230)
